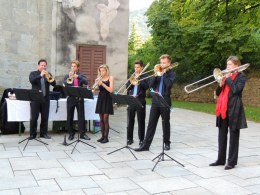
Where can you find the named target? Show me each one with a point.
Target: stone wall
(24, 38)
(50, 29)
(251, 93)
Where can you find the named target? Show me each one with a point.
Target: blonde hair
(235, 60)
(166, 56)
(105, 67)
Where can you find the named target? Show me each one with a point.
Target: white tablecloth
(20, 110)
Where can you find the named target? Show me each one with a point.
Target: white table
(20, 110)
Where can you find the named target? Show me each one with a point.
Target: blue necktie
(135, 90)
(161, 85)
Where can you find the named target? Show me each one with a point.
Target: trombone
(159, 70)
(132, 78)
(217, 74)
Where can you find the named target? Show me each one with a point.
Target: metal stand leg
(127, 147)
(161, 158)
(77, 141)
(28, 139)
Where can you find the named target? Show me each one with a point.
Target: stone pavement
(53, 169)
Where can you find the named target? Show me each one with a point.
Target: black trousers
(140, 111)
(222, 144)
(36, 109)
(78, 103)
(155, 113)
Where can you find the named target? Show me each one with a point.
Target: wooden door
(90, 58)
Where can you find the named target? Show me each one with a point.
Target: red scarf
(222, 103)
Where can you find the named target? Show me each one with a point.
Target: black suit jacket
(35, 80)
(168, 79)
(235, 112)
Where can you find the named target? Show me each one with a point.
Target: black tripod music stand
(80, 93)
(29, 95)
(158, 98)
(126, 100)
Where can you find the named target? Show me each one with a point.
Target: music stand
(29, 95)
(161, 101)
(126, 100)
(81, 93)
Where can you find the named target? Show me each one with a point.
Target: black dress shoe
(46, 136)
(100, 139)
(84, 136)
(143, 147)
(105, 140)
(216, 164)
(229, 167)
(140, 143)
(129, 142)
(32, 137)
(167, 147)
(71, 137)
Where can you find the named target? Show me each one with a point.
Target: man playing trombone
(161, 83)
(138, 90)
(74, 78)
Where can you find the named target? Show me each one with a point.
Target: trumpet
(96, 83)
(218, 76)
(49, 77)
(70, 79)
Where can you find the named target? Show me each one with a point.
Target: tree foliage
(200, 35)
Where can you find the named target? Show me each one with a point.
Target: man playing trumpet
(74, 78)
(41, 80)
(137, 90)
(161, 83)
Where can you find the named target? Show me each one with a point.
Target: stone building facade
(55, 30)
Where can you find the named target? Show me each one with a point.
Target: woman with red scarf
(230, 114)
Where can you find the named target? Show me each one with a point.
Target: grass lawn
(252, 113)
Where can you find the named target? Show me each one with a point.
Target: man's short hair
(140, 62)
(42, 60)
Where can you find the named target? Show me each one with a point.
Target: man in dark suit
(139, 92)
(162, 85)
(74, 78)
(40, 82)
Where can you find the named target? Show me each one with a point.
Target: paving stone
(193, 191)
(8, 154)
(117, 185)
(166, 185)
(120, 172)
(50, 173)
(221, 186)
(5, 168)
(17, 182)
(247, 172)
(81, 168)
(33, 163)
(52, 155)
(93, 191)
(71, 183)
(10, 192)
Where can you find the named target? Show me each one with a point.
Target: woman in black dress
(104, 102)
